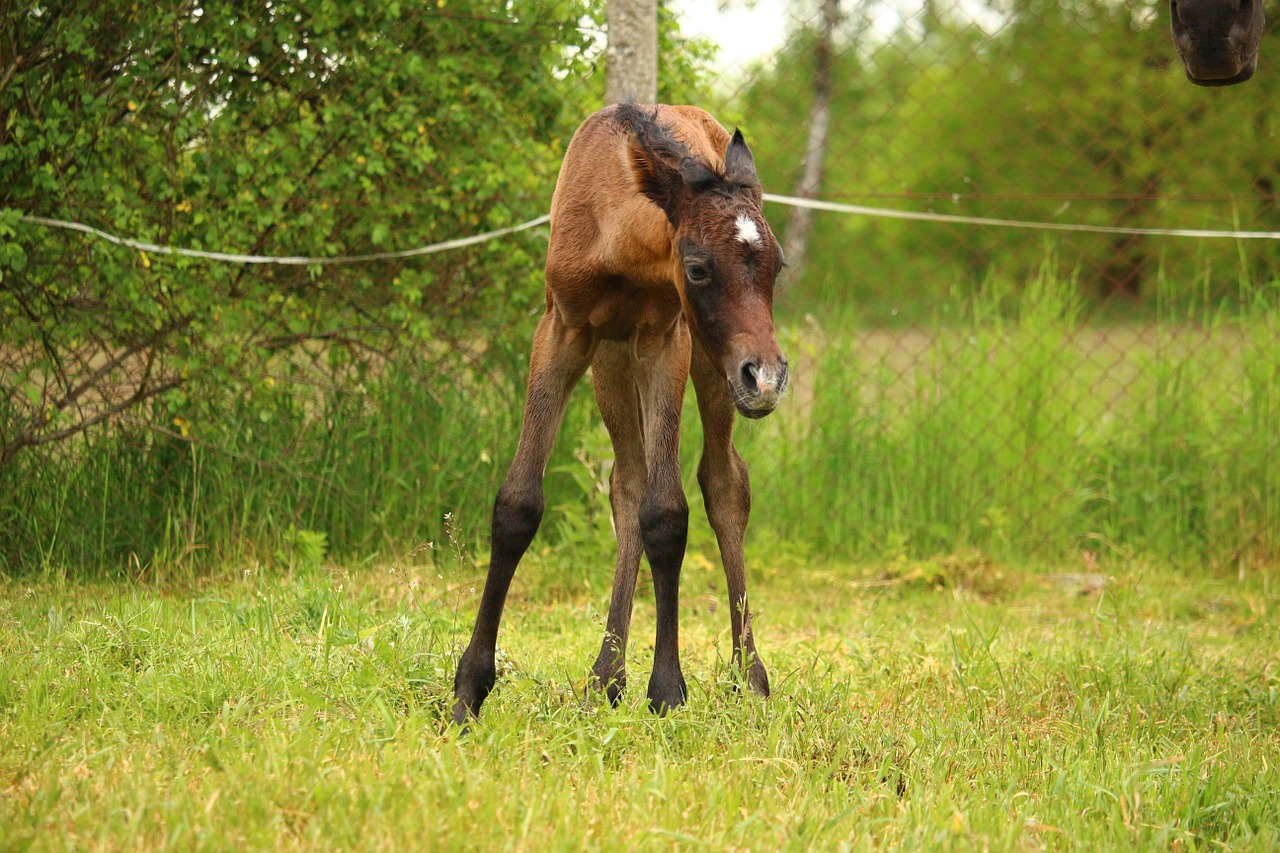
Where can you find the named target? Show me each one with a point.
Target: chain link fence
(962, 383)
(1078, 392)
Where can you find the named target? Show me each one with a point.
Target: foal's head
(1217, 39)
(726, 258)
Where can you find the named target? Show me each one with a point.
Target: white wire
(232, 257)
(793, 201)
(884, 213)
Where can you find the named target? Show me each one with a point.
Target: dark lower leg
(664, 524)
(728, 503)
(560, 357)
(664, 512)
(745, 658)
(609, 672)
(726, 491)
(516, 518)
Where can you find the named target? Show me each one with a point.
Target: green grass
(950, 703)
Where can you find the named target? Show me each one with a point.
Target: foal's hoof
(666, 692)
(462, 716)
(471, 686)
(758, 680)
(609, 673)
(610, 685)
(755, 677)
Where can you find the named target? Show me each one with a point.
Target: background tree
(796, 244)
(632, 52)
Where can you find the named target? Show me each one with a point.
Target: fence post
(631, 58)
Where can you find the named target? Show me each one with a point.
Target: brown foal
(660, 266)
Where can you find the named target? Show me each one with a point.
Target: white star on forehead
(747, 230)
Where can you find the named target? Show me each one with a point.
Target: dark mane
(657, 139)
(659, 143)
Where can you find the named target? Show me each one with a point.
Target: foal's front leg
(662, 372)
(726, 490)
(560, 357)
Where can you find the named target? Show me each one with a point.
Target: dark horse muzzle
(1217, 40)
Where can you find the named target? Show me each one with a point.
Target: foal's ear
(658, 175)
(739, 165)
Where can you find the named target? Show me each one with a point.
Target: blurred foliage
(1029, 109)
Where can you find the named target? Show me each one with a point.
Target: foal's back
(601, 225)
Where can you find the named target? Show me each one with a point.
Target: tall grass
(1013, 424)
(1019, 429)
(304, 464)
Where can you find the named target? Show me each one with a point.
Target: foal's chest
(622, 307)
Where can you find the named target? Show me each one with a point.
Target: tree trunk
(796, 243)
(631, 58)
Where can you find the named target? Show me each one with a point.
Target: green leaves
(274, 129)
(12, 255)
(315, 128)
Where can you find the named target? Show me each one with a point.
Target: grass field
(939, 704)
(243, 637)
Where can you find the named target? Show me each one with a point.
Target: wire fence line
(789, 201)
(236, 258)
(1034, 312)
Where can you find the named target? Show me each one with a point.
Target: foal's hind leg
(611, 373)
(560, 357)
(722, 475)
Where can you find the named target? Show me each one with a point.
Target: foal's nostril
(761, 379)
(750, 368)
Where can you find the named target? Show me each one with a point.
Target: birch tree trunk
(796, 240)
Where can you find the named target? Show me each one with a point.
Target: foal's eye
(696, 271)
